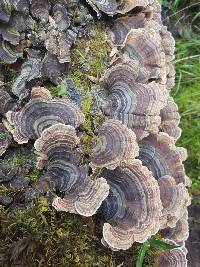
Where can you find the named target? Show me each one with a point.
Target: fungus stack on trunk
(134, 178)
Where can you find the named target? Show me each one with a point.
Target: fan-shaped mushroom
(175, 199)
(112, 7)
(170, 119)
(5, 139)
(132, 208)
(137, 105)
(117, 145)
(9, 53)
(173, 257)
(159, 153)
(7, 102)
(30, 70)
(41, 112)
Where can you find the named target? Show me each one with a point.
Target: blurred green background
(183, 19)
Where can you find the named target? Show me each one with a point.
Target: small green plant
(151, 243)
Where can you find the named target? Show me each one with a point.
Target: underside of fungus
(110, 151)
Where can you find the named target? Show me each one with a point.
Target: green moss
(38, 234)
(94, 52)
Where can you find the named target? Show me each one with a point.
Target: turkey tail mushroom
(136, 104)
(175, 199)
(41, 112)
(173, 257)
(133, 206)
(159, 153)
(170, 119)
(113, 7)
(117, 145)
(83, 194)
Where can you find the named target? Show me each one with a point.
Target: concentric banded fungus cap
(30, 70)
(64, 174)
(159, 153)
(175, 199)
(117, 145)
(170, 119)
(41, 112)
(132, 208)
(137, 105)
(5, 139)
(7, 102)
(145, 47)
(123, 25)
(180, 232)
(172, 257)
(9, 53)
(112, 7)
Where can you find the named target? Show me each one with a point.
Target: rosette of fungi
(136, 104)
(173, 257)
(133, 207)
(175, 199)
(113, 7)
(116, 145)
(159, 153)
(30, 70)
(7, 102)
(64, 174)
(170, 119)
(41, 112)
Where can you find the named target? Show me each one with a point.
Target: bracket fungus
(117, 145)
(119, 161)
(136, 104)
(41, 112)
(159, 153)
(113, 7)
(133, 207)
(82, 194)
(175, 199)
(5, 139)
(7, 102)
(30, 70)
(173, 257)
(170, 119)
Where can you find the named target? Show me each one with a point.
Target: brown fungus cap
(41, 112)
(133, 206)
(116, 145)
(175, 199)
(112, 7)
(172, 257)
(136, 104)
(159, 153)
(170, 119)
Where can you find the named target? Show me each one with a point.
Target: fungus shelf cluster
(134, 178)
